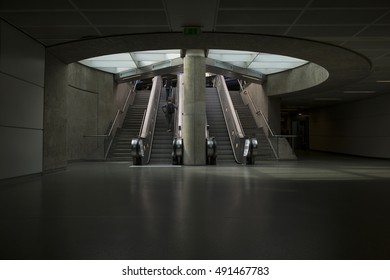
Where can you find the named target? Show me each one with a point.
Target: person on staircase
(169, 111)
(168, 88)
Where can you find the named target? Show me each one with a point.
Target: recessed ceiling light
(328, 99)
(359, 91)
(289, 109)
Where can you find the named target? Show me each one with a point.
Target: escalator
(161, 152)
(120, 148)
(217, 127)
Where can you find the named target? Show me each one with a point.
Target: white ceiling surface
(260, 62)
(360, 26)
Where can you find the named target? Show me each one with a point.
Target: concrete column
(194, 108)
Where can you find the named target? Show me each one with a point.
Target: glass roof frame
(262, 63)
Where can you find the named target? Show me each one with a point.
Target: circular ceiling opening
(261, 63)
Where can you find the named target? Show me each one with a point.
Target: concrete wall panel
(21, 103)
(107, 103)
(82, 120)
(21, 56)
(21, 152)
(357, 128)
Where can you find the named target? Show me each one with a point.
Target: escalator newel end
(137, 150)
(250, 150)
(177, 151)
(211, 151)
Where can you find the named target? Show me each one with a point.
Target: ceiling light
(289, 109)
(359, 91)
(328, 99)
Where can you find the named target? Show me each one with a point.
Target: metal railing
(109, 136)
(273, 139)
(258, 111)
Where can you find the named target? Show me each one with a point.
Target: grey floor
(319, 207)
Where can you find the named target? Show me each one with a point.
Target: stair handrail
(258, 111)
(271, 132)
(266, 121)
(277, 136)
(119, 111)
(128, 96)
(240, 83)
(109, 137)
(233, 123)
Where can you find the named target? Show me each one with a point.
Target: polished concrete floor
(319, 207)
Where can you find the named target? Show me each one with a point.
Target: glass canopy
(264, 63)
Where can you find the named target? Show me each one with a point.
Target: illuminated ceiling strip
(359, 91)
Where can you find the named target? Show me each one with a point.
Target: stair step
(162, 141)
(217, 126)
(250, 128)
(120, 148)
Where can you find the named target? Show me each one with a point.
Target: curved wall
(344, 66)
(297, 79)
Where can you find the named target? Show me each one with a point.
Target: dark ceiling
(359, 26)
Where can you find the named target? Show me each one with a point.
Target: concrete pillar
(194, 108)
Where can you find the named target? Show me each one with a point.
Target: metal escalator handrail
(239, 122)
(236, 133)
(155, 92)
(149, 122)
(176, 122)
(142, 124)
(179, 93)
(230, 106)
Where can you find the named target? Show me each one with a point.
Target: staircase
(120, 148)
(162, 141)
(250, 128)
(217, 127)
